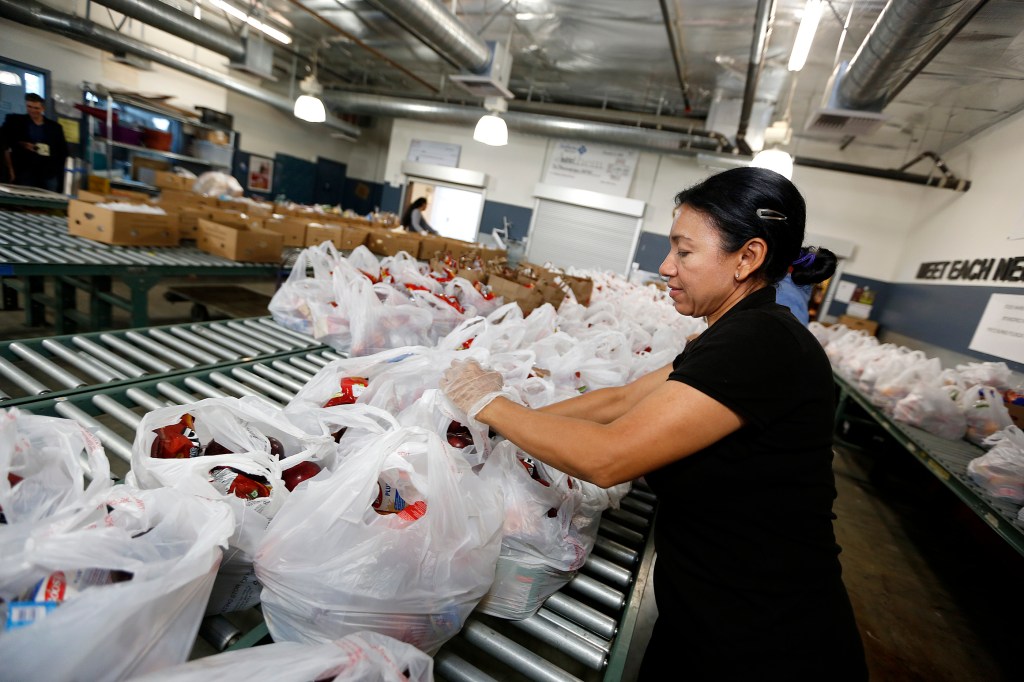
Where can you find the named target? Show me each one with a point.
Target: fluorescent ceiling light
(805, 34)
(776, 160)
(491, 129)
(252, 21)
(9, 78)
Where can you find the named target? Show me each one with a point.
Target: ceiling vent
(259, 57)
(493, 82)
(833, 119)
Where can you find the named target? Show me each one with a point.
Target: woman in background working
(413, 219)
(735, 438)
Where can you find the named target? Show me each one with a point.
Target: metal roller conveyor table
(31, 368)
(947, 460)
(35, 246)
(585, 631)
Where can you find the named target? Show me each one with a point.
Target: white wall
(976, 223)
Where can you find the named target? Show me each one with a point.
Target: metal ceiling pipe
(177, 23)
(531, 124)
(942, 181)
(31, 13)
(762, 27)
(440, 30)
(905, 37)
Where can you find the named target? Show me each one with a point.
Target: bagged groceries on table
(934, 407)
(43, 465)
(360, 657)
(116, 589)
(402, 540)
(241, 451)
(1000, 471)
(985, 412)
(549, 530)
(301, 296)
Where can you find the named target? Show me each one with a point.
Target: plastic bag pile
(963, 402)
(368, 517)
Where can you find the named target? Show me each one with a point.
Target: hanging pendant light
(308, 106)
(491, 128)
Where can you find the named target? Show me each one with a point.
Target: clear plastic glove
(471, 387)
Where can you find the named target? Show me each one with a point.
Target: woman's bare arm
(605, 405)
(669, 423)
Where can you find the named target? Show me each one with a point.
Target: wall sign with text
(594, 167)
(1000, 331)
(996, 270)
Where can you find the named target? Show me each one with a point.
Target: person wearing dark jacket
(33, 146)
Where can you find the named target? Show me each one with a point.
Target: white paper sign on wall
(437, 153)
(1001, 329)
(595, 167)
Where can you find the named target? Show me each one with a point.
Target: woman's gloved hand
(471, 387)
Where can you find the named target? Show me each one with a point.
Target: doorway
(453, 211)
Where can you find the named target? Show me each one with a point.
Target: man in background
(33, 146)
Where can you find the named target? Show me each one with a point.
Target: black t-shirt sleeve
(745, 362)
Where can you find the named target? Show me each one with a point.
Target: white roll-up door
(577, 228)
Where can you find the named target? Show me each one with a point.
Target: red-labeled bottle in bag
(176, 441)
(351, 389)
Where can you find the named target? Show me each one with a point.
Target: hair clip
(769, 214)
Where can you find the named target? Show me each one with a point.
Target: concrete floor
(935, 590)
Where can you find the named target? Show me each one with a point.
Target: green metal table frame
(946, 459)
(97, 280)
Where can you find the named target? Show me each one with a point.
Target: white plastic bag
(249, 477)
(1000, 471)
(301, 298)
(169, 542)
(543, 542)
(934, 408)
(985, 412)
(361, 657)
(43, 465)
(331, 565)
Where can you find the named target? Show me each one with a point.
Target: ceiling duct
(531, 124)
(177, 23)
(252, 54)
(440, 30)
(905, 37)
(31, 13)
(485, 66)
(493, 82)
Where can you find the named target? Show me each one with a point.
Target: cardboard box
(234, 218)
(472, 275)
(145, 169)
(253, 208)
(430, 246)
(318, 233)
(248, 244)
(352, 237)
(188, 219)
(130, 196)
(120, 227)
(168, 180)
(1016, 413)
(459, 249)
(582, 288)
(527, 298)
(385, 243)
(858, 323)
(292, 229)
(178, 196)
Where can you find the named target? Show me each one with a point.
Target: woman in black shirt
(735, 438)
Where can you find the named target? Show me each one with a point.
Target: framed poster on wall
(261, 174)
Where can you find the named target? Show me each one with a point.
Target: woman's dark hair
(407, 215)
(746, 203)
